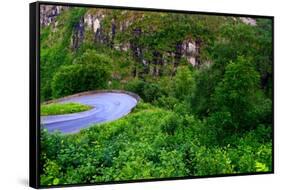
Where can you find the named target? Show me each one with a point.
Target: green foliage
(54, 51)
(150, 143)
(261, 167)
(246, 154)
(238, 86)
(78, 78)
(136, 86)
(234, 96)
(170, 123)
(91, 57)
(184, 84)
(131, 148)
(230, 48)
(52, 169)
(148, 91)
(88, 72)
(167, 102)
(51, 59)
(206, 80)
(256, 46)
(212, 162)
(62, 108)
(229, 160)
(50, 144)
(151, 92)
(142, 106)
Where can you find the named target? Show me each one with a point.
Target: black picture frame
(34, 90)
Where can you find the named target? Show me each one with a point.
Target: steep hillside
(142, 44)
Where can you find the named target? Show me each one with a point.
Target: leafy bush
(50, 144)
(167, 102)
(51, 60)
(78, 78)
(246, 154)
(206, 80)
(141, 106)
(136, 86)
(170, 123)
(234, 99)
(91, 57)
(212, 161)
(184, 84)
(53, 170)
(149, 92)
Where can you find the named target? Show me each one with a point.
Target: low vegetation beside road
(62, 108)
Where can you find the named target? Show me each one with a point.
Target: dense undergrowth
(150, 143)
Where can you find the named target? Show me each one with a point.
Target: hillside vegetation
(206, 89)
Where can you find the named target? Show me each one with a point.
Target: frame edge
(33, 108)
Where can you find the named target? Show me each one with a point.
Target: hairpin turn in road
(107, 106)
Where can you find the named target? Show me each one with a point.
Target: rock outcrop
(48, 14)
(93, 23)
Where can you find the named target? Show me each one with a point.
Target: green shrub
(91, 57)
(53, 170)
(236, 94)
(151, 92)
(50, 144)
(136, 86)
(212, 161)
(184, 84)
(199, 132)
(78, 78)
(148, 91)
(167, 102)
(249, 153)
(253, 150)
(170, 123)
(143, 106)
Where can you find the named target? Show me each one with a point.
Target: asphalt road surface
(106, 107)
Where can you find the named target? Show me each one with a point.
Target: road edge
(137, 97)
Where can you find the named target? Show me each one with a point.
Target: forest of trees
(206, 88)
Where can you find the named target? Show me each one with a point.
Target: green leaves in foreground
(149, 143)
(62, 108)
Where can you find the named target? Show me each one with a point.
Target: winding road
(107, 106)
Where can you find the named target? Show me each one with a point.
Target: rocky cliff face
(188, 49)
(93, 22)
(48, 14)
(249, 21)
(78, 34)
